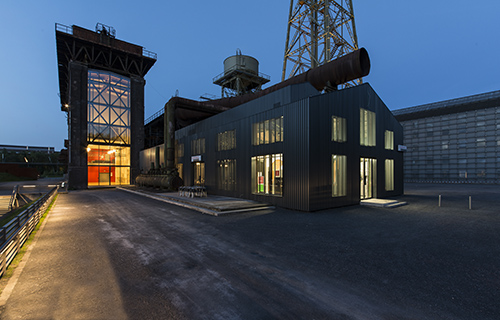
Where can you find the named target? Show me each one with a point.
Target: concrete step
(382, 203)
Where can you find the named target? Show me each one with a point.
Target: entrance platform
(382, 203)
(212, 204)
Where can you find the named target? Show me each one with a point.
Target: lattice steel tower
(318, 31)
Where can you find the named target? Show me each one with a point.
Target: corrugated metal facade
(307, 147)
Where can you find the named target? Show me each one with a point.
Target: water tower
(241, 75)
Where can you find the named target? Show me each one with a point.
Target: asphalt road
(109, 254)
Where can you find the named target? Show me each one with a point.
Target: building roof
(474, 102)
(99, 51)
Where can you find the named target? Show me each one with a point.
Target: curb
(193, 207)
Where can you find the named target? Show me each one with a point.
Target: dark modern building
(453, 141)
(101, 84)
(295, 148)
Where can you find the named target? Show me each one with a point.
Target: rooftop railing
(154, 116)
(63, 28)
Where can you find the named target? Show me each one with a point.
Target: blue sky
(421, 52)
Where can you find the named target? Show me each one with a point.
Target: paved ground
(109, 254)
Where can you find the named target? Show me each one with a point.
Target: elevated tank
(241, 62)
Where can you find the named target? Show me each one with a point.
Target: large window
(339, 129)
(389, 175)
(339, 175)
(266, 132)
(108, 129)
(226, 140)
(267, 174)
(198, 146)
(226, 174)
(108, 108)
(389, 140)
(367, 127)
(108, 165)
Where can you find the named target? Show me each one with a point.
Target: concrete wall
(77, 126)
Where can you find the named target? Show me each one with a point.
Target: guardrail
(149, 54)
(154, 116)
(13, 198)
(63, 28)
(15, 233)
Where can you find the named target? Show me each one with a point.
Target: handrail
(154, 116)
(149, 54)
(13, 198)
(240, 70)
(63, 28)
(15, 233)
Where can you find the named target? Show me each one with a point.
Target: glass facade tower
(108, 129)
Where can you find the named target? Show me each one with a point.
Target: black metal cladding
(307, 147)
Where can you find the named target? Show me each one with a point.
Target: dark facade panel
(77, 125)
(307, 146)
(136, 123)
(296, 159)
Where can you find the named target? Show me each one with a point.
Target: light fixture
(88, 149)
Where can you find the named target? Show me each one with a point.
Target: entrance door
(368, 176)
(199, 173)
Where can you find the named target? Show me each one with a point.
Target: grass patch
(15, 263)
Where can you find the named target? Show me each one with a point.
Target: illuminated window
(108, 129)
(226, 174)
(198, 146)
(108, 108)
(367, 127)
(389, 140)
(226, 140)
(389, 175)
(266, 132)
(339, 129)
(108, 165)
(267, 174)
(339, 174)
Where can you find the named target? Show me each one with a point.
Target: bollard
(439, 203)
(470, 203)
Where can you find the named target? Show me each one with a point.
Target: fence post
(4, 262)
(18, 243)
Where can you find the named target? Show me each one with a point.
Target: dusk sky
(421, 51)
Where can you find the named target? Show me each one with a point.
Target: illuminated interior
(108, 137)
(267, 174)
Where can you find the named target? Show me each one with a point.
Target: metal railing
(239, 69)
(149, 54)
(15, 233)
(63, 28)
(154, 116)
(13, 198)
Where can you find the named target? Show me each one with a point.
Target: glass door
(199, 173)
(368, 176)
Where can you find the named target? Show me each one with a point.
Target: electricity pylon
(318, 31)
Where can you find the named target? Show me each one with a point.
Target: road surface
(109, 254)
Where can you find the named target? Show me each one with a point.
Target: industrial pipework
(180, 112)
